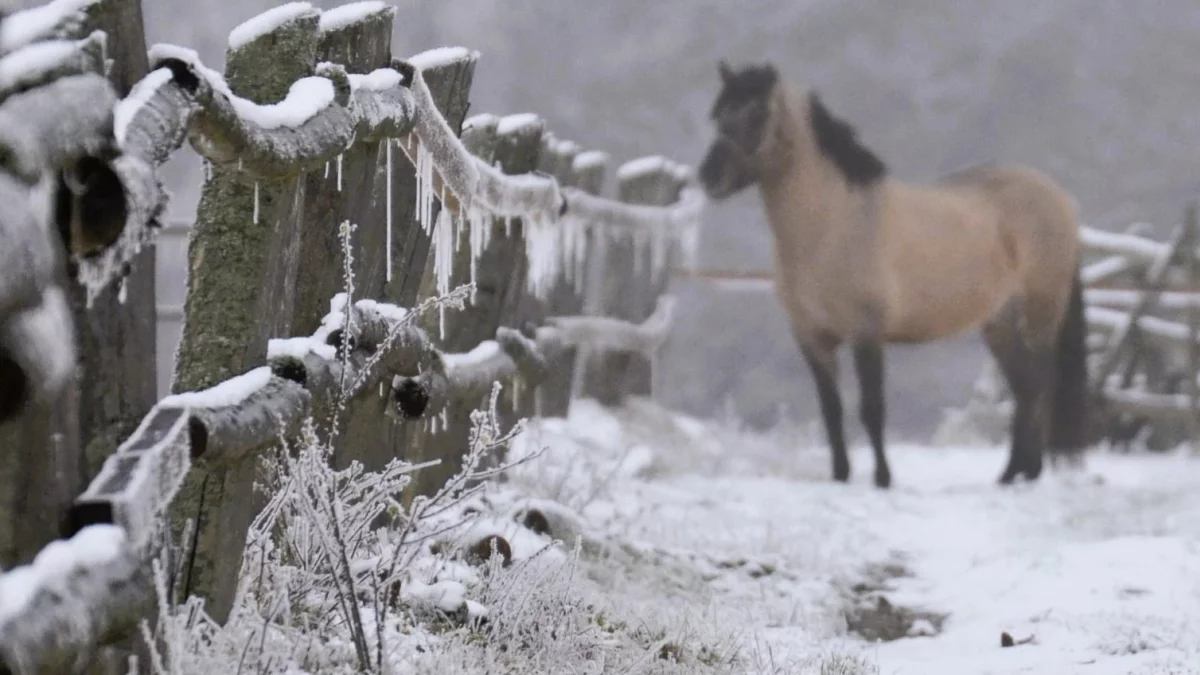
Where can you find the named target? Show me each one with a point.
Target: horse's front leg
(868, 362)
(821, 356)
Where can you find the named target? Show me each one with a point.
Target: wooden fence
(1143, 314)
(317, 140)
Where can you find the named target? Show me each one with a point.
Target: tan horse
(863, 259)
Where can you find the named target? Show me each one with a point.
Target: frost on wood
(242, 414)
(37, 352)
(458, 378)
(607, 334)
(149, 125)
(320, 117)
(26, 251)
(77, 593)
(136, 483)
(267, 22)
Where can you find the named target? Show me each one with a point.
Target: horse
(865, 260)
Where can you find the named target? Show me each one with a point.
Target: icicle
(424, 188)
(445, 418)
(339, 167)
(255, 202)
(327, 170)
(239, 163)
(443, 260)
(388, 191)
(479, 229)
(123, 290)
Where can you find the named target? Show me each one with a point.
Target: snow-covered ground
(736, 551)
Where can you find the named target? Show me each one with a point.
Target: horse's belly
(945, 310)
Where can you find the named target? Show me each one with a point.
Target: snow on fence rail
(299, 136)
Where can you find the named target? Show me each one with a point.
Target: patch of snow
(441, 56)
(351, 13)
(228, 393)
(589, 159)
(139, 96)
(306, 97)
(268, 21)
(480, 120)
(384, 309)
(91, 547)
(376, 80)
(299, 347)
(511, 124)
(642, 166)
(34, 61)
(482, 353)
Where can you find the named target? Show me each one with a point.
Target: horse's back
(963, 246)
(1037, 216)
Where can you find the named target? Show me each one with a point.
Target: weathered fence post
(352, 189)
(519, 151)
(241, 292)
(586, 171)
(625, 283)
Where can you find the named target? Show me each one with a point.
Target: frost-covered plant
(332, 566)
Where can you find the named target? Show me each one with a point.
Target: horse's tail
(1069, 419)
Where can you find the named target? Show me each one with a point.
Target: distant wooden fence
(1143, 314)
(317, 139)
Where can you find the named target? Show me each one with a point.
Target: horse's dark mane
(838, 141)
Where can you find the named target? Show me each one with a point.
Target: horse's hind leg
(868, 361)
(821, 356)
(1029, 374)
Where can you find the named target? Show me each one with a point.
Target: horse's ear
(725, 71)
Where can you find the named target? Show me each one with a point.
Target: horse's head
(744, 115)
(761, 131)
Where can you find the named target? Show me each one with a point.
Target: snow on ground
(739, 549)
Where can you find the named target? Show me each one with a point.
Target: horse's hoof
(1007, 477)
(883, 479)
(841, 474)
(1032, 473)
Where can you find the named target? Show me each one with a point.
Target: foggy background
(1103, 95)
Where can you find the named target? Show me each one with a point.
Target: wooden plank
(1154, 279)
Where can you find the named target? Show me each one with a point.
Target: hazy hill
(1101, 94)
